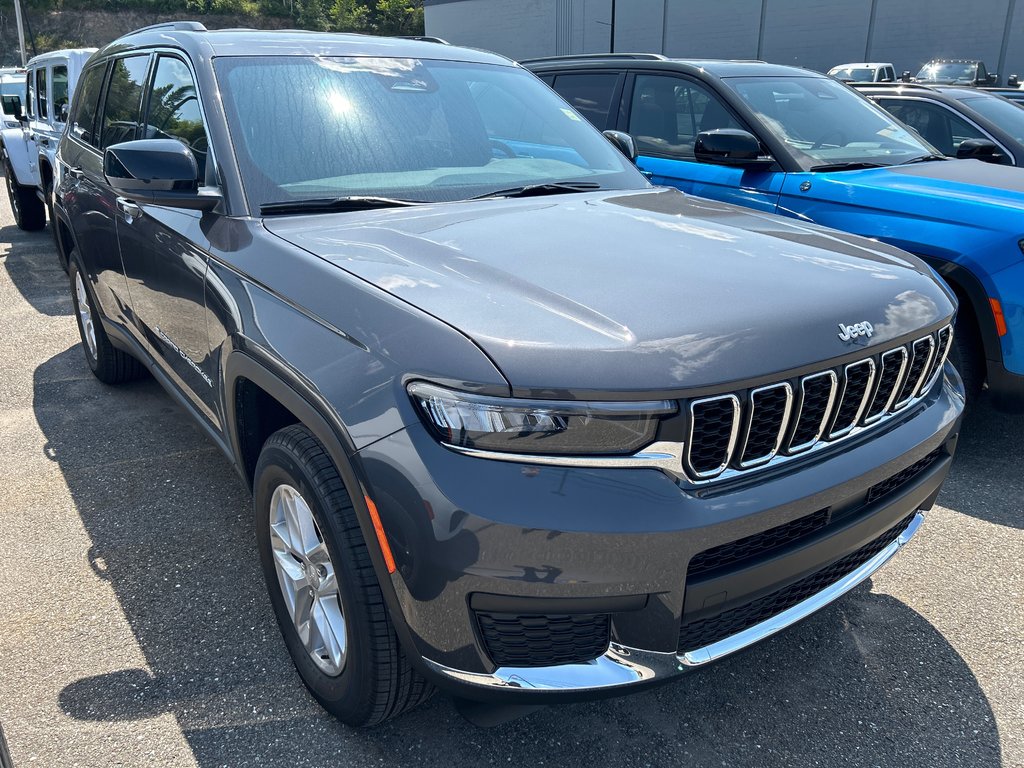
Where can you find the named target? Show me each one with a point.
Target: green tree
(350, 16)
(398, 17)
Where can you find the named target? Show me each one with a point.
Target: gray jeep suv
(516, 422)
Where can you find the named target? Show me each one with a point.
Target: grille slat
(857, 380)
(766, 424)
(817, 395)
(714, 427)
(921, 358)
(781, 420)
(894, 365)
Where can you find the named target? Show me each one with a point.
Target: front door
(166, 272)
(666, 112)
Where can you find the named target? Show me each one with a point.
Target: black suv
(516, 422)
(957, 120)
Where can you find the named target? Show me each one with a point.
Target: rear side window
(590, 94)
(30, 100)
(120, 120)
(41, 92)
(83, 116)
(174, 109)
(59, 87)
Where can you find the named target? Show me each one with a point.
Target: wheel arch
(244, 371)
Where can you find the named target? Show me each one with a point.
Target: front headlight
(551, 427)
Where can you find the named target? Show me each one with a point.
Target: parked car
(956, 72)
(787, 140)
(27, 150)
(864, 72)
(516, 422)
(12, 90)
(958, 121)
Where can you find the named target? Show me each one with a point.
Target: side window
(590, 94)
(666, 114)
(937, 125)
(59, 86)
(174, 109)
(41, 93)
(83, 115)
(30, 97)
(120, 119)
(982, 72)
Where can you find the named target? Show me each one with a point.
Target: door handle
(128, 208)
(75, 172)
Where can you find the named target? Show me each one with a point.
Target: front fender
(22, 160)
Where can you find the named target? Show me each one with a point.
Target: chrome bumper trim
(622, 666)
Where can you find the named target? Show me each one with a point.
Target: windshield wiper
(924, 159)
(851, 166)
(536, 190)
(328, 204)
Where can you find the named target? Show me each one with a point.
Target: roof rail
(184, 26)
(593, 56)
(425, 39)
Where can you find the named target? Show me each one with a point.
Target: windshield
(408, 129)
(12, 86)
(947, 72)
(1005, 114)
(854, 74)
(824, 122)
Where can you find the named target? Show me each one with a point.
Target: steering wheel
(502, 147)
(832, 134)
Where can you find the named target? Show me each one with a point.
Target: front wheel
(29, 212)
(323, 587)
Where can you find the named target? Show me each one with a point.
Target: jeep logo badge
(851, 332)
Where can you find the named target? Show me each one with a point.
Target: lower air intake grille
(902, 477)
(535, 640)
(701, 633)
(752, 546)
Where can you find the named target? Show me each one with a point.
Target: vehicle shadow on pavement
(33, 267)
(987, 480)
(867, 682)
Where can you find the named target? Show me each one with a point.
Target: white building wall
(811, 33)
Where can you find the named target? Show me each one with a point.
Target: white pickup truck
(27, 151)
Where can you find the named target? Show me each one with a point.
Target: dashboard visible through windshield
(409, 130)
(825, 123)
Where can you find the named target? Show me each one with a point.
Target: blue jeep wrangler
(790, 141)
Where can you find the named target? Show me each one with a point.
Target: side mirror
(624, 143)
(12, 106)
(730, 146)
(978, 149)
(993, 78)
(157, 171)
(906, 76)
(1013, 81)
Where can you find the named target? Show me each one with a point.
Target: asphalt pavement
(135, 628)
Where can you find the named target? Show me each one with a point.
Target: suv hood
(627, 291)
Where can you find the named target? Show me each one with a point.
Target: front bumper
(467, 531)
(623, 666)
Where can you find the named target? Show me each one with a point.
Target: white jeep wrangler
(27, 151)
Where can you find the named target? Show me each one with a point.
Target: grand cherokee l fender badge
(851, 332)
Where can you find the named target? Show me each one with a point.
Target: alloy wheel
(85, 315)
(308, 580)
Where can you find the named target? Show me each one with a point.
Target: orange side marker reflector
(997, 314)
(382, 538)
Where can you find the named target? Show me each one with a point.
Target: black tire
(967, 354)
(377, 682)
(109, 364)
(29, 211)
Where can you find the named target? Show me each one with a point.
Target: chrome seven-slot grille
(736, 432)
